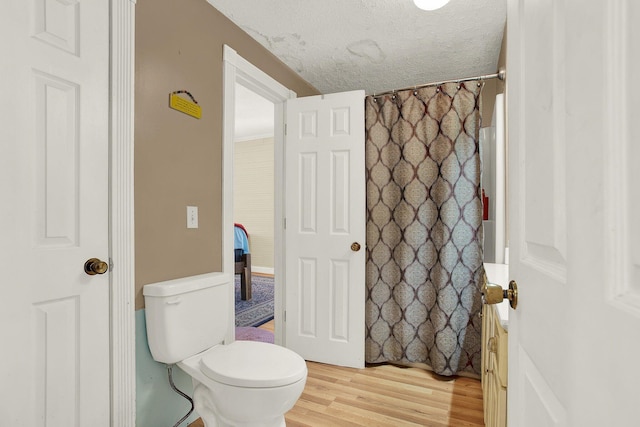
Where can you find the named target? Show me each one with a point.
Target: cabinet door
(487, 332)
(494, 364)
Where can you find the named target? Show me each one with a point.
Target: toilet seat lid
(253, 364)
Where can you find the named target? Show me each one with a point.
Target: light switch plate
(192, 217)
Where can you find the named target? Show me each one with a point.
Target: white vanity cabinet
(495, 353)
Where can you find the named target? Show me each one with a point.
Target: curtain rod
(501, 75)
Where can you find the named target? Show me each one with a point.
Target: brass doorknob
(94, 266)
(494, 294)
(355, 246)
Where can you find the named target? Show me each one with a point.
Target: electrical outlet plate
(192, 217)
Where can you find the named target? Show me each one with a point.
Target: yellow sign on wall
(185, 106)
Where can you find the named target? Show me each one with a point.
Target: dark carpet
(259, 309)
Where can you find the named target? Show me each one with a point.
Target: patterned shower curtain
(424, 228)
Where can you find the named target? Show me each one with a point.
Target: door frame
(239, 70)
(121, 215)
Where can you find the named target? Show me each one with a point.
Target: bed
(242, 260)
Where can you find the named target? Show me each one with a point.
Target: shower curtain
(424, 228)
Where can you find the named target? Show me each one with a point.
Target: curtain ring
(459, 87)
(438, 89)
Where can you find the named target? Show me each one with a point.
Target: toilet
(243, 383)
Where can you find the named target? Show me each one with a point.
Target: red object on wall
(485, 206)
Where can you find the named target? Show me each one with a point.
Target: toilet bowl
(245, 383)
(242, 383)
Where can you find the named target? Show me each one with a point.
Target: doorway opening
(253, 212)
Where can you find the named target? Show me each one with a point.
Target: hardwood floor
(383, 396)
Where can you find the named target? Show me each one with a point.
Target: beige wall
(253, 195)
(502, 60)
(494, 86)
(178, 158)
(488, 101)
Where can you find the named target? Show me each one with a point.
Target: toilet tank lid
(185, 284)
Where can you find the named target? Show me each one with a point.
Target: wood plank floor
(383, 396)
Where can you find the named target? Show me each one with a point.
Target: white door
(325, 228)
(54, 319)
(574, 204)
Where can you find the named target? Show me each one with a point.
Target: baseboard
(262, 270)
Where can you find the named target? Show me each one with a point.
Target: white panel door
(54, 320)
(325, 228)
(574, 204)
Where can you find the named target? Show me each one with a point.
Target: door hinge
(285, 128)
(284, 315)
(284, 223)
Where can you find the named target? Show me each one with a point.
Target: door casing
(122, 253)
(239, 70)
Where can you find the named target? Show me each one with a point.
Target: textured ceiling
(375, 45)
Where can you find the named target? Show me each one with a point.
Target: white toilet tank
(186, 316)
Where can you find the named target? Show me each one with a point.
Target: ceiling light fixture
(430, 4)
